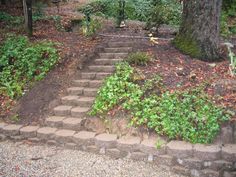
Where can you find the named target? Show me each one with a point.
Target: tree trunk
(3, 2)
(27, 7)
(200, 29)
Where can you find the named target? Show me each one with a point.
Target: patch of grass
(139, 58)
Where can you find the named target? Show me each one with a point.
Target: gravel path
(25, 160)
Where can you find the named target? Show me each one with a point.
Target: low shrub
(164, 12)
(228, 18)
(134, 9)
(139, 58)
(89, 28)
(22, 62)
(184, 115)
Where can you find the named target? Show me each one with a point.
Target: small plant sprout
(159, 143)
(232, 57)
(152, 39)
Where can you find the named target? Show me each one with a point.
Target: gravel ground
(25, 160)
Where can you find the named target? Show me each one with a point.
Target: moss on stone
(187, 45)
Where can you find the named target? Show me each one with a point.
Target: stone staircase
(81, 95)
(65, 127)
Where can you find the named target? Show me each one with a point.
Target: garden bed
(34, 106)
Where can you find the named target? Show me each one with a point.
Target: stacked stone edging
(182, 157)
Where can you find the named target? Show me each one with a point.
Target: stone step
(79, 112)
(119, 44)
(75, 90)
(81, 91)
(102, 68)
(81, 83)
(88, 75)
(95, 75)
(71, 100)
(87, 83)
(107, 61)
(118, 50)
(62, 110)
(54, 121)
(95, 83)
(90, 91)
(72, 124)
(102, 75)
(85, 101)
(113, 55)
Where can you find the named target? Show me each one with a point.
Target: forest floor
(179, 71)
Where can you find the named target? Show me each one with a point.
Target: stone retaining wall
(184, 158)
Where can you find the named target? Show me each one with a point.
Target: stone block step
(113, 55)
(119, 44)
(95, 75)
(75, 90)
(79, 112)
(54, 121)
(87, 83)
(107, 61)
(90, 92)
(102, 68)
(62, 110)
(85, 101)
(81, 83)
(72, 124)
(82, 91)
(118, 50)
(88, 75)
(71, 100)
(95, 83)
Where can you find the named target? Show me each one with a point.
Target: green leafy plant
(115, 89)
(139, 58)
(159, 143)
(22, 62)
(187, 115)
(90, 27)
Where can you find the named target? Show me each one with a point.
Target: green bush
(139, 58)
(164, 12)
(22, 62)
(90, 27)
(228, 25)
(134, 9)
(116, 88)
(154, 12)
(186, 115)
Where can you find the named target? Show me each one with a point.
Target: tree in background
(3, 2)
(200, 29)
(27, 6)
